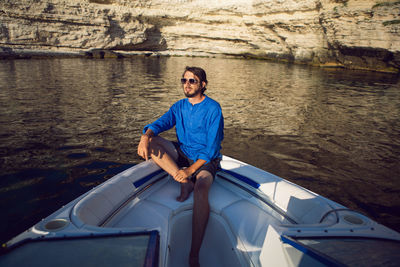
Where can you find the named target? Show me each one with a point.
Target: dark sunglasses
(191, 81)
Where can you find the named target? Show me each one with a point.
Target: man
(194, 159)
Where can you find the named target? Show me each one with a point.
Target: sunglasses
(191, 81)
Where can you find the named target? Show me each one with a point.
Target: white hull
(257, 219)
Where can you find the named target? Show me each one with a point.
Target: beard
(191, 94)
(194, 93)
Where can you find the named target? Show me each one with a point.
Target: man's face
(191, 89)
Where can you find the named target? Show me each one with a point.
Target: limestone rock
(362, 34)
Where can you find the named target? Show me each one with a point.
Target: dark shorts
(183, 161)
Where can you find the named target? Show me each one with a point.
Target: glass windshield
(121, 250)
(357, 251)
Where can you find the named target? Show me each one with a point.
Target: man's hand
(144, 144)
(182, 175)
(143, 147)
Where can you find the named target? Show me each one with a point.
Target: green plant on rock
(104, 2)
(391, 22)
(386, 4)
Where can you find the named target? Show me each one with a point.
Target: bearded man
(194, 159)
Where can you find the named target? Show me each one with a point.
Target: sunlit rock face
(362, 34)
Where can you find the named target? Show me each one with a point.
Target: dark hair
(200, 73)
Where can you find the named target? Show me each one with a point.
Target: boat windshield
(112, 250)
(352, 251)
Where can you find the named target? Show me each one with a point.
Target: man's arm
(143, 147)
(164, 123)
(215, 135)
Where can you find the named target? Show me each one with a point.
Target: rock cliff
(360, 34)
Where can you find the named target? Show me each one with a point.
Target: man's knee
(155, 140)
(203, 182)
(159, 146)
(154, 146)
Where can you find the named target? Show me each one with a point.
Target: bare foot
(186, 189)
(194, 261)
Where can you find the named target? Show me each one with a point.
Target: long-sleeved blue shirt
(199, 128)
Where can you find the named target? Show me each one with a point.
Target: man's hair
(200, 73)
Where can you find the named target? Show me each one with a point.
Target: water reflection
(69, 124)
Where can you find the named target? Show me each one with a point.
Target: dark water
(67, 125)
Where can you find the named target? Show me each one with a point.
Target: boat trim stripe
(145, 179)
(243, 178)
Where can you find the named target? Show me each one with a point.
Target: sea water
(67, 125)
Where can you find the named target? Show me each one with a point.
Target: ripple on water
(69, 124)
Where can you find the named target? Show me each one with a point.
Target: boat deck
(256, 219)
(233, 214)
(247, 206)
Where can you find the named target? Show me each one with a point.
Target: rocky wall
(362, 34)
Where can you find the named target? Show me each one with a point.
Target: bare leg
(186, 189)
(201, 212)
(164, 154)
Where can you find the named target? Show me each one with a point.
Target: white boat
(256, 219)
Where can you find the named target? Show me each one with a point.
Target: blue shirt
(199, 128)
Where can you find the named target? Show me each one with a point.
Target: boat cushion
(98, 205)
(144, 213)
(95, 207)
(117, 191)
(167, 194)
(219, 197)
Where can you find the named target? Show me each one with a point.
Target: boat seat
(144, 214)
(96, 206)
(100, 203)
(166, 196)
(219, 197)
